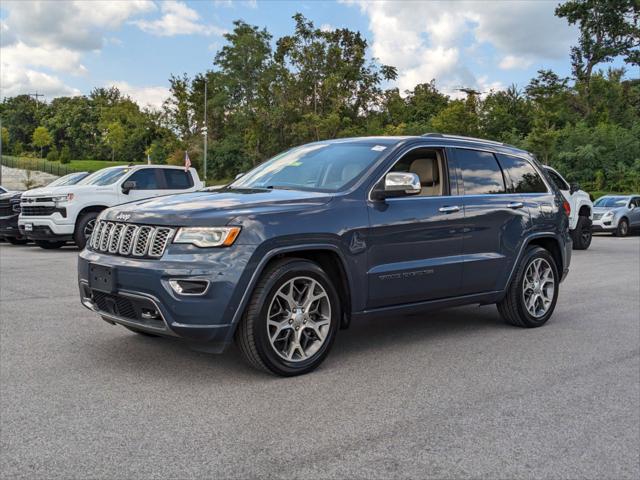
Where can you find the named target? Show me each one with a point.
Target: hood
(216, 207)
(11, 196)
(61, 190)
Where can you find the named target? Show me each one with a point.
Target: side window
(635, 202)
(428, 164)
(177, 179)
(146, 179)
(481, 173)
(557, 179)
(521, 175)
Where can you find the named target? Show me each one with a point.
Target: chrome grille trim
(127, 239)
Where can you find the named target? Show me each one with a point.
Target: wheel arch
(90, 208)
(549, 242)
(328, 256)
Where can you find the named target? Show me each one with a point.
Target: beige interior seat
(429, 172)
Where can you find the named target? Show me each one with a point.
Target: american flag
(187, 162)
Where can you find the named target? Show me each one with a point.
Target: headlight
(207, 236)
(608, 214)
(62, 198)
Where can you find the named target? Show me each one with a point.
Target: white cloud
(149, 96)
(327, 27)
(177, 19)
(510, 62)
(439, 39)
(43, 38)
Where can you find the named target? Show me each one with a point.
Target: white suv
(581, 216)
(51, 216)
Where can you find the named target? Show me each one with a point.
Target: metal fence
(37, 164)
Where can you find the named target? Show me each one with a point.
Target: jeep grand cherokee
(290, 252)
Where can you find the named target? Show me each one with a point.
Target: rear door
(634, 213)
(495, 221)
(176, 180)
(415, 242)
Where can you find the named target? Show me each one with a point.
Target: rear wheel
(47, 245)
(582, 234)
(532, 295)
(291, 320)
(17, 241)
(84, 228)
(623, 228)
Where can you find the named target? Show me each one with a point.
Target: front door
(149, 182)
(415, 242)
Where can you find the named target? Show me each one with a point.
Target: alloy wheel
(538, 287)
(88, 228)
(299, 319)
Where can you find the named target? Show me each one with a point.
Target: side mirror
(574, 187)
(399, 184)
(241, 174)
(128, 186)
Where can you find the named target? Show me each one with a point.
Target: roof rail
(460, 137)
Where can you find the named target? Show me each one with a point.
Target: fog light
(150, 314)
(189, 286)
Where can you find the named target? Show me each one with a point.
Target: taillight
(567, 208)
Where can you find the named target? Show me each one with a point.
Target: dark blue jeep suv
(291, 251)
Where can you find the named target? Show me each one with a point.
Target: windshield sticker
(378, 148)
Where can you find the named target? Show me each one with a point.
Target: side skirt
(432, 305)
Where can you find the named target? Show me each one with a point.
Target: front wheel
(623, 228)
(291, 320)
(533, 293)
(582, 234)
(47, 245)
(84, 228)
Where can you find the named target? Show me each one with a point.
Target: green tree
(114, 137)
(52, 156)
(65, 154)
(608, 29)
(41, 138)
(5, 137)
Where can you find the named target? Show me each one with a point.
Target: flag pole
(205, 128)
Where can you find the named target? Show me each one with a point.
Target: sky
(70, 47)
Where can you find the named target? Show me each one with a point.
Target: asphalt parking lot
(454, 394)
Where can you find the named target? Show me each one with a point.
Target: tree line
(264, 96)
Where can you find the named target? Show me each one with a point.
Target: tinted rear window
(521, 176)
(177, 179)
(481, 173)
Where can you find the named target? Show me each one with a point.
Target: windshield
(70, 179)
(326, 167)
(105, 176)
(611, 202)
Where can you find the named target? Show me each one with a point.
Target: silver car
(616, 214)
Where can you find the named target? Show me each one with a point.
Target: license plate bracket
(28, 227)
(102, 278)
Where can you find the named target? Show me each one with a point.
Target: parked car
(10, 208)
(329, 231)
(53, 216)
(617, 214)
(581, 216)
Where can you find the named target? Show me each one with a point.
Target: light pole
(205, 129)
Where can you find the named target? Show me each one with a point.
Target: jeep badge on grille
(123, 216)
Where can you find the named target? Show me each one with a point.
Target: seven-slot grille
(128, 239)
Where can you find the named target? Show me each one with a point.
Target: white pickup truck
(52, 216)
(581, 216)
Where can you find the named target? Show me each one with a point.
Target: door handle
(515, 205)
(453, 209)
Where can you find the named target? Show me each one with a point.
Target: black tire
(140, 332)
(79, 234)
(252, 336)
(623, 228)
(582, 234)
(47, 245)
(17, 241)
(512, 308)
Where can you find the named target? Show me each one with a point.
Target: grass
(57, 168)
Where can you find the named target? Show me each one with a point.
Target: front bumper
(604, 225)
(143, 299)
(45, 228)
(9, 227)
